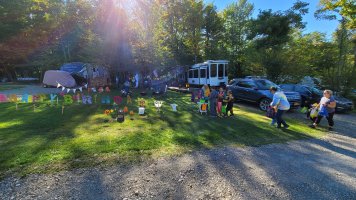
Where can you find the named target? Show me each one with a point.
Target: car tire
(264, 103)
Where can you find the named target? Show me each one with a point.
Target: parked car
(311, 95)
(257, 90)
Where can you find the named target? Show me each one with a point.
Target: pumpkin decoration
(132, 114)
(107, 112)
(126, 110)
(141, 102)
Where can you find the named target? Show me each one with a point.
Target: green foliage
(146, 34)
(346, 8)
(271, 31)
(237, 18)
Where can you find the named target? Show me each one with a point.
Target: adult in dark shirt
(213, 102)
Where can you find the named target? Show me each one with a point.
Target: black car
(257, 90)
(311, 95)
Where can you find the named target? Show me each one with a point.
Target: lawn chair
(203, 108)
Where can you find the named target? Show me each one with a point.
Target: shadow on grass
(34, 141)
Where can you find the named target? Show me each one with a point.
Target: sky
(313, 24)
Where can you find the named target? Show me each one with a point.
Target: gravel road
(306, 169)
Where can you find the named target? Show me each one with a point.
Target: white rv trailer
(211, 72)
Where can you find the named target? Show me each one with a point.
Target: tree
(212, 33)
(346, 8)
(271, 31)
(237, 18)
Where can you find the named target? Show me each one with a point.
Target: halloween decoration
(203, 108)
(174, 107)
(141, 110)
(141, 102)
(131, 115)
(129, 100)
(121, 116)
(126, 110)
(158, 105)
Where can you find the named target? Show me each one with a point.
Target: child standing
(221, 97)
(230, 103)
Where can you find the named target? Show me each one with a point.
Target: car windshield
(265, 84)
(232, 82)
(315, 91)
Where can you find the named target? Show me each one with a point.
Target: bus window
(196, 73)
(190, 73)
(202, 73)
(221, 71)
(226, 66)
(213, 70)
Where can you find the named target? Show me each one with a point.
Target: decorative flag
(68, 90)
(81, 89)
(86, 85)
(74, 90)
(63, 88)
(58, 85)
(93, 89)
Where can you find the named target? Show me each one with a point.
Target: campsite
(187, 99)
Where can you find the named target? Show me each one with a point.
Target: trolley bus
(211, 72)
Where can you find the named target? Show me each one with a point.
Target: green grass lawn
(44, 140)
(10, 86)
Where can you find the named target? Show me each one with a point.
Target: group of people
(280, 104)
(220, 100)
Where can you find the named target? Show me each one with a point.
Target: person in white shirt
(280, 100)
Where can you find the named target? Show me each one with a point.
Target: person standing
(281, 102)
(230, 104)
(327, 101)
(213, 102)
